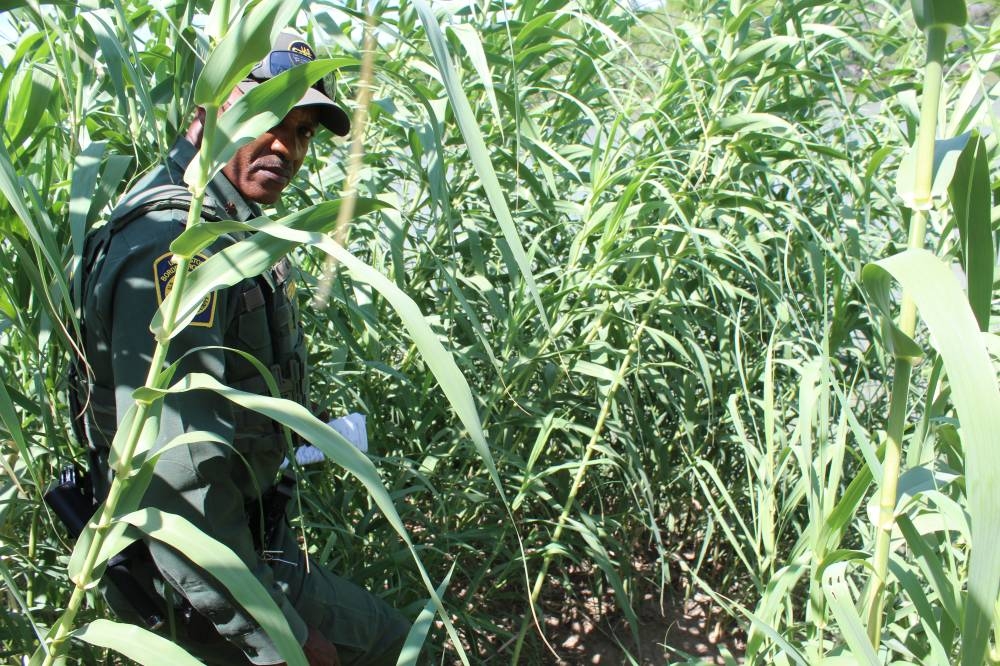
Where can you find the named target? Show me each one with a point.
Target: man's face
(261, 169)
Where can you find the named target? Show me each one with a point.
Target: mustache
(272, 163)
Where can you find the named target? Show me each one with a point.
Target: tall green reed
(695, 194)
(900, 621)
(230, 61)
(113, 527)
(933, 18)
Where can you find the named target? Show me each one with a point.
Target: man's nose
(284, 144)
(280, 147)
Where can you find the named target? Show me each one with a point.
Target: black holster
(72, 499)
(271, 509)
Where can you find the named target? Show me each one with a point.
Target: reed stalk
(903, 365)
(56, 641)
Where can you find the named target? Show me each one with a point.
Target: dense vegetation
(640, 235)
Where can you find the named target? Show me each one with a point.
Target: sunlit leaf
(478, 151)
(136, 643)
(296, 417)
(842, 603)
(33, 96)
(248, 258)
(971, 200)
(248, 40)
(226, 567)
(946, 158)
(955, 333)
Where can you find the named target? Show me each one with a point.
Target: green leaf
(946, 156)
(108, 185)
(7, 5)
(219, 19)
(771, 603)
(839, 520)
(248, 40)
(898, 343)
(469, 37)
(139, 479)
(926, 612)
(842, 604)
(195, 239)
(260, 251)
(11, 189)
(933, 569)
(757, 122)
(119, 64)
(971, 200)
(245, 259)
(147, 437)
(764, 49)
(765, 629)
(39, 228)
(928, 13)
(118, 537)
(257, 111)
(912, 482)
(86, 167)
(955, 333)
(22, 58)
(918, 480)
(136, 643)
(599, 554)
(439, 361)
(418, 630)
(336, 448)
(13, 589)
(30, 104)
(12, 425)
(478, 151)
(225, 566)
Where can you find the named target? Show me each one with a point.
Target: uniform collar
(224, 195)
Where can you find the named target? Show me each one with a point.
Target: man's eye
(307, 131)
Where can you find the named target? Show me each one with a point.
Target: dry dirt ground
(587, 626)
(673, 630)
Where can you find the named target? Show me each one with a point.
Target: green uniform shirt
(206, 483)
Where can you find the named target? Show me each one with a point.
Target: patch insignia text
(164, 270)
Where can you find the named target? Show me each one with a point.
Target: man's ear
(233, 96)
(197, 128)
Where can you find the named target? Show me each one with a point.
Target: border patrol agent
(127, 271)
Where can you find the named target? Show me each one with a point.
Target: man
(126, 273)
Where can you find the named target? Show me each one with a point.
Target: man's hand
(319, 651)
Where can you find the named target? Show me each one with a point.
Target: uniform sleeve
(194, 481)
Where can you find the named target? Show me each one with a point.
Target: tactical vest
(265, 325)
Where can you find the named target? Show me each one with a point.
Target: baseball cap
(290, 49)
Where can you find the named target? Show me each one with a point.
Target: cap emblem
(302, 49)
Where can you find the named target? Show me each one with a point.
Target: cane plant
(648, 254)
(955, 323)
(117, 522)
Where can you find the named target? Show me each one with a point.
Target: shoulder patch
(164, 271)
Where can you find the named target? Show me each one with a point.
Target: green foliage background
(699, 403)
